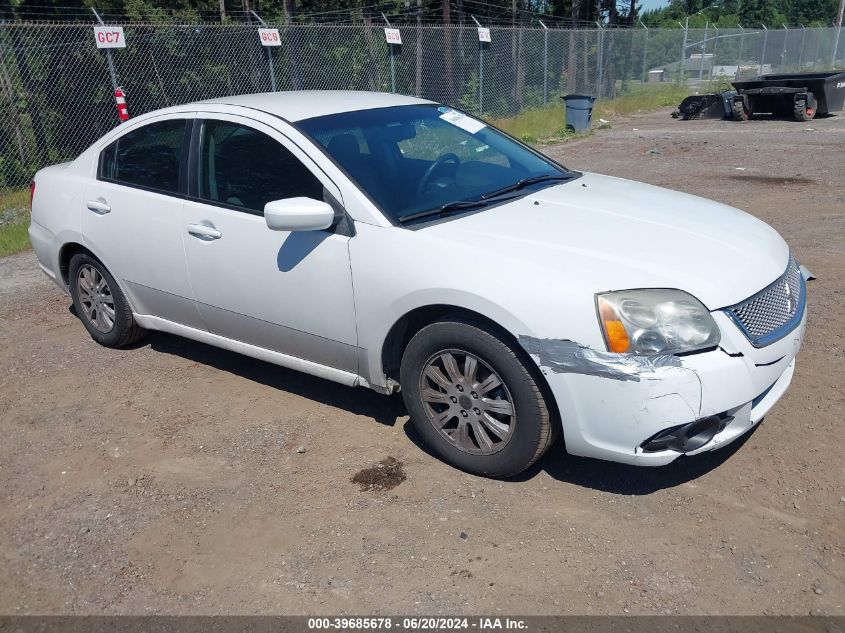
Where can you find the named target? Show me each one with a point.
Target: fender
(373, 336)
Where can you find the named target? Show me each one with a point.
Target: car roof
(305, 104)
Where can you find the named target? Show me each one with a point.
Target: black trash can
(579, 112)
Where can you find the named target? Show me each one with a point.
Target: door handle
(100, 207)
(204, 232)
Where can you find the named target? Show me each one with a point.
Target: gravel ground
(177, 478)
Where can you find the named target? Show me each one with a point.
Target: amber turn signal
(614, 329)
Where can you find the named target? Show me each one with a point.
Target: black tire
(124, 329)
(533, 429)
(805, 110)
(741, 111)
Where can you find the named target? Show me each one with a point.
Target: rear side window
(147, 157)
(245, 168)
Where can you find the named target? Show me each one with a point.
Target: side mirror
(298, 214)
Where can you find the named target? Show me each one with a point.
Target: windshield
(416, 159)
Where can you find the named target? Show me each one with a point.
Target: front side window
(246, 169)
(416, 161)
(147, 157)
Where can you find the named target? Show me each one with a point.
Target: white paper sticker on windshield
(462, 121)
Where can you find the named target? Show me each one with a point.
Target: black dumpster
(713, 105)
(802, 95)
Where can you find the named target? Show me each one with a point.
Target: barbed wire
(461, 11)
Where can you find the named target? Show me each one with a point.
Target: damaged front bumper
(613, 405)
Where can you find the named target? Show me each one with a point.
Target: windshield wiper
(446, 208)
(521, 184)
(487, 198)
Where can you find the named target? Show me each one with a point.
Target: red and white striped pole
(120, 101)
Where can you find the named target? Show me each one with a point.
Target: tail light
(31, 194)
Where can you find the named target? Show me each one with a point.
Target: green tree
(751, 13)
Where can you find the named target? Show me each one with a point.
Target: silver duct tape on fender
(563, 356)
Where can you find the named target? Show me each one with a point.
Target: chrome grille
(774, 311)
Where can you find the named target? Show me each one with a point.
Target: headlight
(655, 322)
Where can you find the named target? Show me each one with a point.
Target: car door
(132, 217)
(290, 292)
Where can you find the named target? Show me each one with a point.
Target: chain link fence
(56, 92)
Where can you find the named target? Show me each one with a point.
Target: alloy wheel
(467, 401)
(95, 298)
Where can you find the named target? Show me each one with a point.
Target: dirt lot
(171, 478)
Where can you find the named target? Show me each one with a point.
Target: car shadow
(623, 479)
(297, 246)
(383, 409)
(595, 474)
(612, 477)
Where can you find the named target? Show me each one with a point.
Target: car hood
(616, 234)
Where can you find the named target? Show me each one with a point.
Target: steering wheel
(446, 158)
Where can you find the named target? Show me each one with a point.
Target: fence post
(681, 69)
(645, 54)
(418, 45)
(703, 52)
(480, 78)
(838, 25)
(715, 46)
(545, 63)
(741, 45)
(269, 54)
(783, 53)
(599, 60)
(109, 59)
(763, 52)
(480, 70)
(801, 54)
(390, 52)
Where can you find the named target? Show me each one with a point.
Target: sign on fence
(109, 37)
(269, 37)
(483, 34)
(393, 36)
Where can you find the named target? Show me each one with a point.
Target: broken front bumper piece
(619, 406)
(686, 438)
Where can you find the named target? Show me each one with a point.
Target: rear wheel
(805, 108)
(741, 110)
(473, 400)
(100, 304)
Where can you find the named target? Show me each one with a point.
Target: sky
(653, 4)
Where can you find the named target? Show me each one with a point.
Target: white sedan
(394, 243)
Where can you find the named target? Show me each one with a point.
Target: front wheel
(473, 400)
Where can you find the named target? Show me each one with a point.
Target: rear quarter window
(148, 157)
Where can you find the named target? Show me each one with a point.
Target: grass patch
(14, 221)
(539, 126)
(14, 238)
(641, 100)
